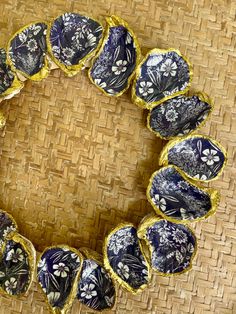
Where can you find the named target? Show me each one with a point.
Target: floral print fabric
(73, 37)
(178, 116)
(6, 75)
(14, 269)
(57, 270)
(95, 288)
(7, 225)
(27, 50)
(126, 259)
(115, 64)
(176, 198)
(163, 74)
(198, 157)
(172, 246)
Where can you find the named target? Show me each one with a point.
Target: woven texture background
(74, 163)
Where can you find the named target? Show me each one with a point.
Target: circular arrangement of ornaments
(159, 82)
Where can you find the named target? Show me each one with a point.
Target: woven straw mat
(75, 163)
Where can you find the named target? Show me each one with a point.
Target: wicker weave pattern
(75, 163)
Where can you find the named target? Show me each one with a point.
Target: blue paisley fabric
(125, 258)
(95, 288)
(7, 225)
(178, 116)
(116, 62)
(27, 50)
(6, 75)
(57, 271)
(172, 246)
(15, 272)
(72, 38)
(174, 197)
(200, 158)
(162, 75)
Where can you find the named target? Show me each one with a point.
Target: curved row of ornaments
(163, 242)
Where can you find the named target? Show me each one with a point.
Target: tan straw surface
(74, 163)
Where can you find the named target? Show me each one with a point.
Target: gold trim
(149, 221)
(163, 158)
(72, 295)
(142, 103)
(30, 250)
(110, 269)
(204, 98)
(214, 197)
(112, 21)
(43, 73)
(90, 254)
(71, 70)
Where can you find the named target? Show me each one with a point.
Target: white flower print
(119, 67)
(15, 255)
(179, 236)
(8, 230)
(168, 68)
(171, 115)
(99, 83)
(53, 297)
(179, 257)
(173, 91)
(210, 156)
(2, 274)
(146, 88)
(183, 185)
(76, 257)
(154, 60)
(42, 265)
(159, 202)
(190, 248)
(32, 45)
(68, 52)
(123, 270)
(61, 270)
(88, 291)
(121, 240)
(128, 39)
(10, 285)
(91, 41)
(200, 177)
(109, 301)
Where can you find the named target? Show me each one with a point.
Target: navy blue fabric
(95, 288)
(177, 198)
(162, 75)
(125, 257)
(172, 246)
(6, 75)
(56, 272)
(73, 37)
(14, 269)
(199, 157)
(6, 226)
(113, 67)
(178, 116)
(28, 49)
